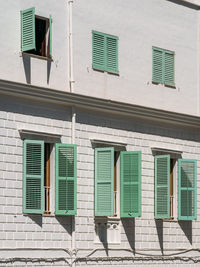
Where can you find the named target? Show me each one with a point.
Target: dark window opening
(40, 37)
(47, 178)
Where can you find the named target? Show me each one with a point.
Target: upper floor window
(104, 52)
(36, 34)
(163, 66)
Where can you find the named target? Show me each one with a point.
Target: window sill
(36, 56)
(109, 72)
(165, 85)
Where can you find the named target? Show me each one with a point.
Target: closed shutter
(157, 68)
(98, 51)
(169, 68)
(104, 182)
(187, 189)
(130, 184)
(28, 29)
(66, 179)
(162, 186)
(50, 36)
(33, 177)
(112, 54)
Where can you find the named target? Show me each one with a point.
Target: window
(163, 66)
(36, 178)
(165, 190)
(107, 188)
(104, 52)
(36, 34)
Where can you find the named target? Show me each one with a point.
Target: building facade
(100, 133)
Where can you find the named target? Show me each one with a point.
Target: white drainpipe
(71, 71)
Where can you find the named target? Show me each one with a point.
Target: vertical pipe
(71, 71)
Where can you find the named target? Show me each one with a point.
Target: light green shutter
(158, 63)
(130, 184)
(33, 177)
(28, 29)
(112, 54)
(104, 182)
(162, 187)
(187, 189)
(98, 50)
(66, 179)
(169, 68)
(50, 36)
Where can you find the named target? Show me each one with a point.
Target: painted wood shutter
(112, 54)
(28, 29)
(162, 187)
(98, 51)
(187, 189)
(104, 181)
(66, 179)
(50, 36)
(169, 68)
(157, 69)
(130, 184)
(33, 177)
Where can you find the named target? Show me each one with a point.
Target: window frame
(97, 64)
(33, 35)
(163, 69)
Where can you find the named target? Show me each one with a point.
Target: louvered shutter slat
(50, 36)
(28, 29)
(98, 51)
(130, 184)
(112, 54)
(104, 182)
(162, 186)
(65, 179)
(33, 179)
(187, 199)
(169, 68)
(157, 66)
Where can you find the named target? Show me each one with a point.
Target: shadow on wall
(129, 228)
(186, 227)
(159, 228)
(27, 68)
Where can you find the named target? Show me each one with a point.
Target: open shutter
(157, 68)
(65, 179)
(130, 184)
(104, 182)
(33, 177)
(98, 50)
(50, 36)
(169, 68)
(162, 187)
(28, 29)
(112, 54)
(187, 189)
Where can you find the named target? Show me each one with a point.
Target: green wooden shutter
(162, 187)
(112, 54)
(66, 179)
(50, 36)
(157, 68)
(187, 189)
(33, 177)
(169, 68)
(104, 182)
(130, 184)
(28, 29)
(98, 50)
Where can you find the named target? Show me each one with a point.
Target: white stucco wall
(29, 69)
(139, 24)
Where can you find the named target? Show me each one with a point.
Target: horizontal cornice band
(92, 103)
